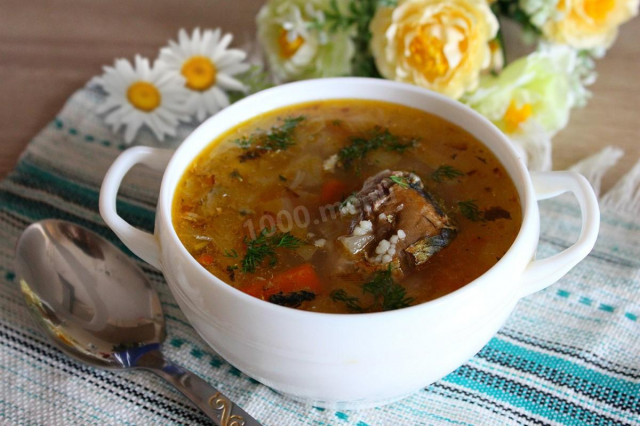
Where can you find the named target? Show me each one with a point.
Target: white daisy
(208, 66)
(142, 95)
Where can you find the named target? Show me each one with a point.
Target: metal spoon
(98, 307)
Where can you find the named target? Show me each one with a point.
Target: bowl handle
(544, 272)
(142, 244)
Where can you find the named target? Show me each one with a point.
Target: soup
(346, 206)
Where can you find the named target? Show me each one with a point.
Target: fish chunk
(395, 222)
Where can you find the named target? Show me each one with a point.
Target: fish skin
(407, 206)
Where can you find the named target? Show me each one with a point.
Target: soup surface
(346, 206)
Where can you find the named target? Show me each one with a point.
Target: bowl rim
(516, 169)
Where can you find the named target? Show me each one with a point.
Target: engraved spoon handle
(212, 402)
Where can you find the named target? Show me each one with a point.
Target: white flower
(297, 43)
(208, 66)
(141, 95)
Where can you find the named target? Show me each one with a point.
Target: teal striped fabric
(568, 355)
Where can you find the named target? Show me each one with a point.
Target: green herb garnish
(281, 137)
(470, 210)
(244, 142)
(445, 172)
(352, 302)
(359, 147)
(387, 294)
(231, 271)
(264, 247)
(231, 253)
(400, 180)
(275, 139)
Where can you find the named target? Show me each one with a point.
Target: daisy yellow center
(200, 73)
(427, 54)
(515, 116)
(144, 96)
(598, 9)
(288, 47)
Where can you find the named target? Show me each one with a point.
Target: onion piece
(306, 251)
(297, 180)
(356, 243)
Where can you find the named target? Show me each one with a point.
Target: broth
(276, 207)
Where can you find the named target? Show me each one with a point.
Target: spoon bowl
(88, 295)
(97, 306)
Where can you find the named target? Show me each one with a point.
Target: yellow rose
(588, 24)
(441, 45)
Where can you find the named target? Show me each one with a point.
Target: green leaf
(377, 138)
(387, 294)
(400, 180)
(469, 209)
(275, 139)
(352, 302)
(264, 246)
(231, 253)
(445, 172)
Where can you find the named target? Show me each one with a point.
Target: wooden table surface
(50, 48)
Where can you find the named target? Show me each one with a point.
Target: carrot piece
(332, 191)
(255, 289)
(205, 259)
(302, 277)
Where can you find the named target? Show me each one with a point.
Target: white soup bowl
(350, 360)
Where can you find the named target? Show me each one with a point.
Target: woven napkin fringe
(596, 166)
(625, 194)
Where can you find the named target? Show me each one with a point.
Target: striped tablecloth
(567, 355)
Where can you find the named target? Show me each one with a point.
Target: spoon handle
(218, 407)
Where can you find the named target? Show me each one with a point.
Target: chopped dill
(359, 147)
(387, 294)
(275, 139)
(400, 180)
(264, 246)
(352, 302)
(445, 172)
(470, 210)
(244, 142)
(231, 272)
(231, 253)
